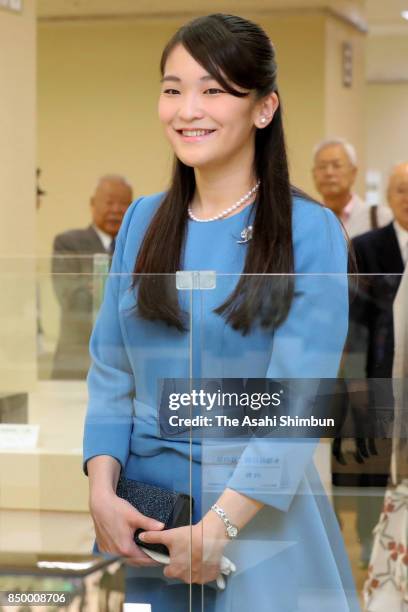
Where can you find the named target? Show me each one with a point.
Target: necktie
(112, 247)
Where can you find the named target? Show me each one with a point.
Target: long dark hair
(234, 51)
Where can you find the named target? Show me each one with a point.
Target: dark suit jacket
(72, 268)
(380, 267)
(370, 352)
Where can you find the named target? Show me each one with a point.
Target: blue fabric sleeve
(308, 345)
(111, 387)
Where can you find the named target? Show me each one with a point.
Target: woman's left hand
(195, 552)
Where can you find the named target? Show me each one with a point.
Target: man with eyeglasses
(334, 172)
(72, 267)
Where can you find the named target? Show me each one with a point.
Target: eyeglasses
(321, 167)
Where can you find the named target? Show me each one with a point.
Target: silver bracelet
(230, 529)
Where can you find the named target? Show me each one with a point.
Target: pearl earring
(263, 119)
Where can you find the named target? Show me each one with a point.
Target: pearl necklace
(229, 210)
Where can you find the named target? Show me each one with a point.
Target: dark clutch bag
(168, 507)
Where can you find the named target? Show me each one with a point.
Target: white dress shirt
(105, 238)
(402, 237)
(399, 461)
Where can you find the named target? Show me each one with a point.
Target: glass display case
(215, 404)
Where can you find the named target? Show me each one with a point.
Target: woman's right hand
(115, 523)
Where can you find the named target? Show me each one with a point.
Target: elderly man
(385, 250)
(383, 253)
(334, 172)
(381, 257)
(73, 258)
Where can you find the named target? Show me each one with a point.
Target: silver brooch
(246, 235)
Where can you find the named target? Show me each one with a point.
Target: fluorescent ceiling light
(404, 15)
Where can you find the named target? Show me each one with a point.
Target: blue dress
(291, 556)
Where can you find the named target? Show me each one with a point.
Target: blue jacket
(131, 357)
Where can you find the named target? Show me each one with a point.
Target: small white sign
(12, 5)
(256, 478)
(18, 436)
(16, 5)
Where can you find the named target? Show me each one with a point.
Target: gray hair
(117, 178)
(330, 142)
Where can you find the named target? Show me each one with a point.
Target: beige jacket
(359, 221)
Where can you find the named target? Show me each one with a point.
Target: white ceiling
(386, 12)
(100, 8)
(382, 16)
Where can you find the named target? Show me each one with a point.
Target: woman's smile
(195, 110)
(195, 134)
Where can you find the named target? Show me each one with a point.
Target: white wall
(386, 117)
(344, 106)
(387, 127)
(17, 200)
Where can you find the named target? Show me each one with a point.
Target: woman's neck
(219, 188)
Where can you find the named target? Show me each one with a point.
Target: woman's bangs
(217, 52)
(218, 58)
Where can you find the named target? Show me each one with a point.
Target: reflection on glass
(43, 488)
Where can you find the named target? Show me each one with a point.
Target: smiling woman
(219, 74)
(220, 110)
(195, 109)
